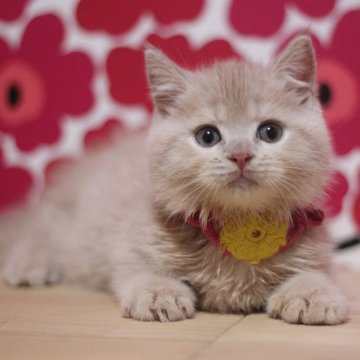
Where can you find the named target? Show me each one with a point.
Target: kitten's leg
(29, 263)
(308, 298)
(151, 297)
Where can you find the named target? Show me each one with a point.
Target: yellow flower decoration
(253, 239)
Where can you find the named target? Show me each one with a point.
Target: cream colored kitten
(232, 141)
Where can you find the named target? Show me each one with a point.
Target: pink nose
(241, 159)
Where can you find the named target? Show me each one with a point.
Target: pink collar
(301, 220)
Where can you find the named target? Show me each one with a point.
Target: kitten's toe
(156, 299)
(36, 276)
(25, 267)
(308, 299)
(171, 305)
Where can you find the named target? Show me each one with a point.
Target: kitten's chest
(229, 285)
(221, 282)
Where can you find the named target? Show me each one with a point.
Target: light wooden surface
(67, 323)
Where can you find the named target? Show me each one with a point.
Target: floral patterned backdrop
(72, 74)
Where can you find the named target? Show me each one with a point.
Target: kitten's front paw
(150, 298)
(29, 265)
(308, 299)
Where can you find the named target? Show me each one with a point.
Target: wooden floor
(65, 323)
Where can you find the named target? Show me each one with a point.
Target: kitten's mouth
(243, 182)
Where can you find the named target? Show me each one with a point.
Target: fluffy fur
(115, 221)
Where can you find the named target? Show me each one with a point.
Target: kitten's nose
(241, 159)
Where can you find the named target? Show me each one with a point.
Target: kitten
(148, 219)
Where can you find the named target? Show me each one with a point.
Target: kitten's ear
(298, 64)
(167, 80)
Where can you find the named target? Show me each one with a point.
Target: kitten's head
(238, 136)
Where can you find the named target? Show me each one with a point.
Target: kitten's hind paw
(308, 299)
(27, 265)
(155, 298)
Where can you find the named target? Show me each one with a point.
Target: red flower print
(11, 9)
(336, 193)
(116, 16)
(15, 184)
(180, 51)
(125, 67)
(103, 135)
(38, 84)
(339, 102)
(357, 205)
(55, 167)
(339, 83)
(357, 210)
(264, 18)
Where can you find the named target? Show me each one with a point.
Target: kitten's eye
(269, 132)
(208, 136)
